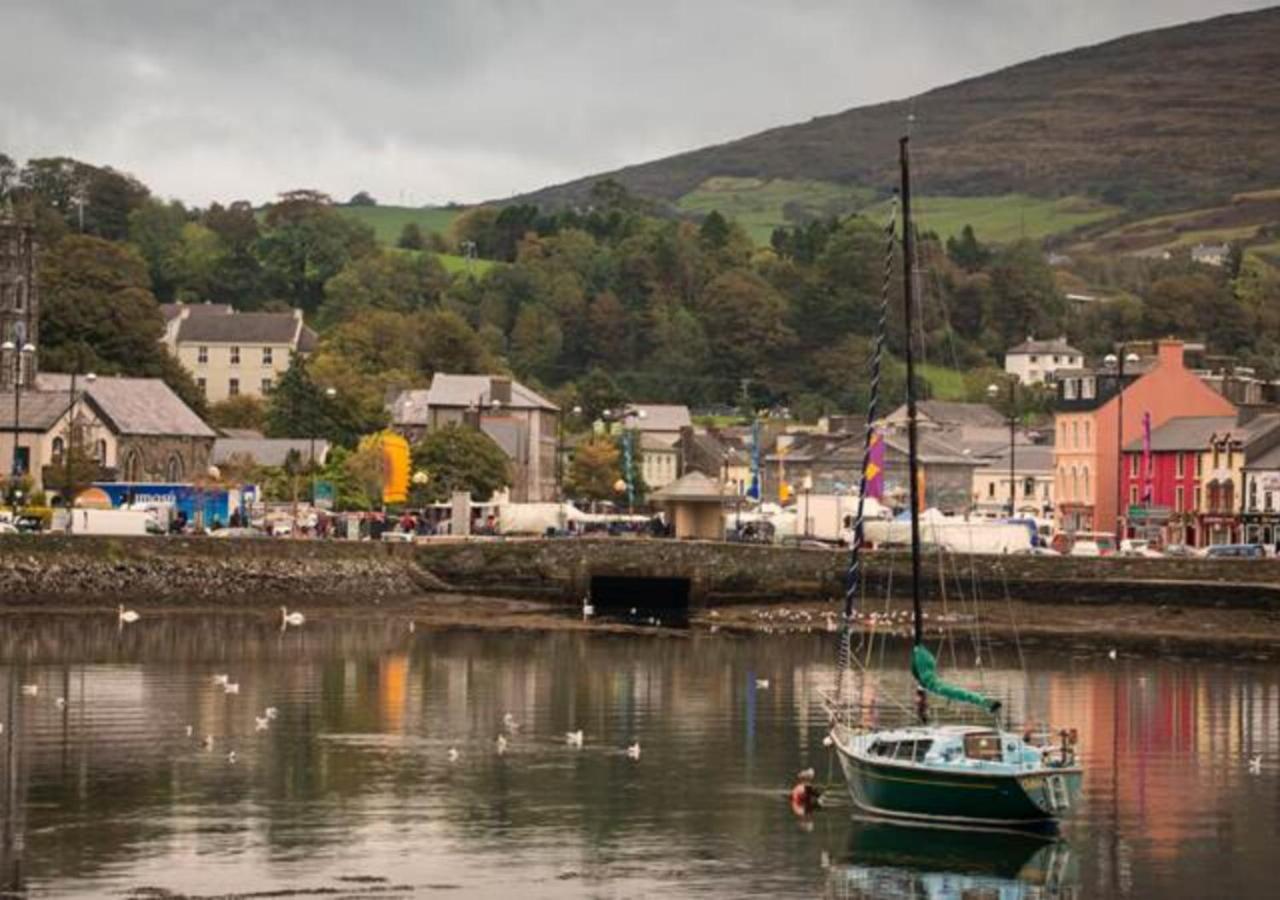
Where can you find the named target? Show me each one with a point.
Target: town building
(659, 461)
(1032, 479)
(1035, 362)
(235, 452)
(1260, 489)
(523, 423)
(694, 506)
(661, 421)
(232, 353)
(1094, 419)
(1211, 254)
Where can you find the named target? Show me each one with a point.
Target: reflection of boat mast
(11, 851)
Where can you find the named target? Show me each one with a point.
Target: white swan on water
(574, 738)
(501, 744)
(633, 752)
(126, 616)
(290, 618)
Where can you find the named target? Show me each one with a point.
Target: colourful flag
(875, 466)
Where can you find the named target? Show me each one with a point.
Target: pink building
(1091, 428)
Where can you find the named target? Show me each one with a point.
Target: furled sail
(925, 669)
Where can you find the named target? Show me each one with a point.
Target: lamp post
(11, 350)
(807, 486)
(1118, 362)
(993, 391)
(329, 394)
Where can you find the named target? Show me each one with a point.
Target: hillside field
(388, 221)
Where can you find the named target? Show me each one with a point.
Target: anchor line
(853, 575)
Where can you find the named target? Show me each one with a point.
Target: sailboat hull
(921, 794)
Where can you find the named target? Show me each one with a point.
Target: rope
(853, 575)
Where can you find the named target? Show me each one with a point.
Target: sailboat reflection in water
(887, 860)
(974, 773)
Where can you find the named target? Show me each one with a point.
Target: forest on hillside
(592, 307)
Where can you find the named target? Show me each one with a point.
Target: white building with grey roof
(1035, 362)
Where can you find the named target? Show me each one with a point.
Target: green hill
(388, 221)
(1165, 119)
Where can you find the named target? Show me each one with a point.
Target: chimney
(500, 389)
(1169, 353)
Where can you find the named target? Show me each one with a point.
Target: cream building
(233, 353)
(1035, 362)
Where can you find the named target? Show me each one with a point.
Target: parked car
(1182, 551)
(1138, 547)
(1236, 551)
(1085, 548)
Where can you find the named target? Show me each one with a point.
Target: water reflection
(108, 792)
(888, 860)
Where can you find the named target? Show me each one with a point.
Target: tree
(306, 243)
(243, 411)
(458, 458)
(362, 198)
(714, 230)
(385, 280)
(596, 469)
(966, 252)
(745, 322)
(597, 391)
(536, 340)
(98, 314)
(155, 229)
(411, 237)
(300, 408)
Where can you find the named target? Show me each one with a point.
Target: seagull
(231, 757)
(509, 722)
(1255, 764)
(501, 744)
(290, 618)
(762, 684)
(231, 687)
(61, 703)
(261, 723)
(453, 754)
(574, 738)
(633, 752)
(30, 690)
(126, 616)
(1111, 654)
(221, 679)
(271, 712)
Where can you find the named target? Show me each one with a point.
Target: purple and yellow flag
(875, 466)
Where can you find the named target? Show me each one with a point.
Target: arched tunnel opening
(640, 598)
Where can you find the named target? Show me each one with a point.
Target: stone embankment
(202, 572)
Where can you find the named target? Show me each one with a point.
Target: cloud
(427, 102)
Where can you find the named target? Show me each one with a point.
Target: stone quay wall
(202, 572)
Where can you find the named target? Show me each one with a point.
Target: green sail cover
(925, 669)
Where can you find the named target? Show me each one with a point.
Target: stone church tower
(19, 300)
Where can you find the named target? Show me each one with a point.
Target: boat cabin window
(983, 746)
(911, 751)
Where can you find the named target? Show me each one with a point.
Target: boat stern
(1054, 792)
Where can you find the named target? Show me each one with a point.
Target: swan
(271, 712)
(574, 738)
(762, 684)
(290, 618)
(231, 757)
(1111, 654)
(501, 744)
(453, 754)
(126, 616)
(633, 752)
(231, 687)
(61, 703)
(1255, 764)
(208, 742)
(190, 730)
(261, 723)
(221, 679)
(509, 722)
(30, 690)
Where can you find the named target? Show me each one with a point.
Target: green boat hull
(963, 798)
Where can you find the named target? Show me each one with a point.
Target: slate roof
(1026, 458)
(1055, 345)
(245, 328)
(693, 487)
(171, 311)
(950, 412)
(1185, 433)
(465, 390)
(410, 407)
(38, 410)
(659, 417)
(139, 406)
(267, 451)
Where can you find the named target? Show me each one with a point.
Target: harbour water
(350, 790)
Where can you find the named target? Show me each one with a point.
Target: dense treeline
(593, 306)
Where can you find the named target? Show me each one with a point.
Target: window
(1253, 494)
(1075, 434)
(1266, 501)
(1179, 465)
(173, 471)
(266, 356)
(1134, 462)
(202, 355)
(202, 384)
(1199, 465)
(267, 385)
(1228, 496)
(233, 387)
(1084, 481)
(985, 747)
(1197, 496)
(1216, 461)
(235, 356)
(1087, 388)
(1231, 457)
(58, 447)
(1133, 495)
(1087, 436)
(1035, 358)
(1069, 389)
(1055, 360)
(100, 452)
(19, 297)
(1075, 484)
(1177, 499)
(1028, 487)
(133, 466)
(991, 489)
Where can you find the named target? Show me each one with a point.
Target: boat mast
(913, 463)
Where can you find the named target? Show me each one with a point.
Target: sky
(435, 101)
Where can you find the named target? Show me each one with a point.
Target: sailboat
(964, 774)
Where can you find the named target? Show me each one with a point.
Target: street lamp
(806, 485)
(1112, 361)
(10, 350)
(329, 394)
(993, 391)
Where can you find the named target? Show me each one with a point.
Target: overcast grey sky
(436, 100)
